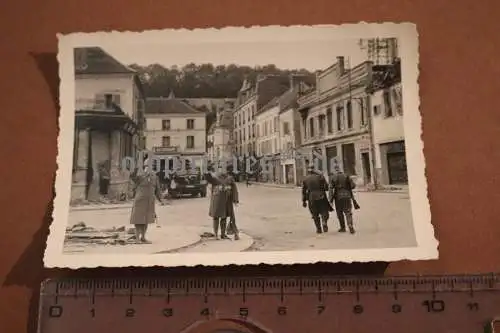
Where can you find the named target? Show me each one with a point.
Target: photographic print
(275, 145)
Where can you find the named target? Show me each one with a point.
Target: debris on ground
(100, 201)
(82, 234)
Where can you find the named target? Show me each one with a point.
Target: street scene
(279, 223)
(190, 149)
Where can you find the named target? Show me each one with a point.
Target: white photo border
(407, 34)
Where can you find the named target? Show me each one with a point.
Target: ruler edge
(493, 276)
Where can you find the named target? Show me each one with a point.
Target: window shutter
(117, 99)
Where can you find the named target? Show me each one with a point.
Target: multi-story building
(388, 128)
(219, 145)
(175, 130)
(334, 125)
(251, 97)
(268, 140)
(109, 115)
(278, 133)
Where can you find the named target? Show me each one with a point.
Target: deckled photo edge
(427, 244)
(418, 184)
(54, 244)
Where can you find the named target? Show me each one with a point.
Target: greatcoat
(147, 190)
(223, 196)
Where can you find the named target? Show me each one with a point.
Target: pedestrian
(147, 189)
(340, 193)
(247, 178)
(314, 188)
(104, 179)
(224, 195)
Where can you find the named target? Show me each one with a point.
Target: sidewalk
(290, 186)
(125, 205)
(382, 189)
(212, 245)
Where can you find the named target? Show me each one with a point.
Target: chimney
(294, 82)
(340, 66)
(317, 73)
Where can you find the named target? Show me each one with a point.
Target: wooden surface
(459, 85)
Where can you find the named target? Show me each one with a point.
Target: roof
(288, 100)
(272, 103)
(270, 87)
(285, 101)
(94, 60)
(161, 105)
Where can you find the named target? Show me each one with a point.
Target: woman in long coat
(222, 200)
(147, 189)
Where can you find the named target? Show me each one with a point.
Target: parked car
(188, 183)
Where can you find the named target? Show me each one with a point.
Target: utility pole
(366, 108)
(372, 143)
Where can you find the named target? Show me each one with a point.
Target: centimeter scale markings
(278, 305)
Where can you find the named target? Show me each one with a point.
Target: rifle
(354, 201)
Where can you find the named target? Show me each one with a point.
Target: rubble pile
(100, 201)
(81, 234)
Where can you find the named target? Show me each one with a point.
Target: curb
(103, 207)
(402, 191)
(200, 241)
(275, 186)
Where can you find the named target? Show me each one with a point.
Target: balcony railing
(91, 104)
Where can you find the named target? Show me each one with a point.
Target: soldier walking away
(340, 192)
(222, 200)
(314, 188)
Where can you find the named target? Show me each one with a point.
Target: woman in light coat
(147, 189)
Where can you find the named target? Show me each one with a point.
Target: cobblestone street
(271, 219)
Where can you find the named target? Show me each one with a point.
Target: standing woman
(147, 189)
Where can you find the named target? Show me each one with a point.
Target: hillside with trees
(202, 81)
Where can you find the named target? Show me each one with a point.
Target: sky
(285, 54)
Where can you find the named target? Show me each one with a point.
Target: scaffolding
(380, 51)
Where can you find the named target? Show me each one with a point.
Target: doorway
(289, 174)
(331, 157)
(365, 158)
(349, 159)
(398, 173)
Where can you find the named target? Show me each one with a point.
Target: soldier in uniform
(222, 200)
(340, 192)
(314, 188)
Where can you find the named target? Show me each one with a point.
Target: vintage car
(188, 183)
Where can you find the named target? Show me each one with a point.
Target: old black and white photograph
(275, 145)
